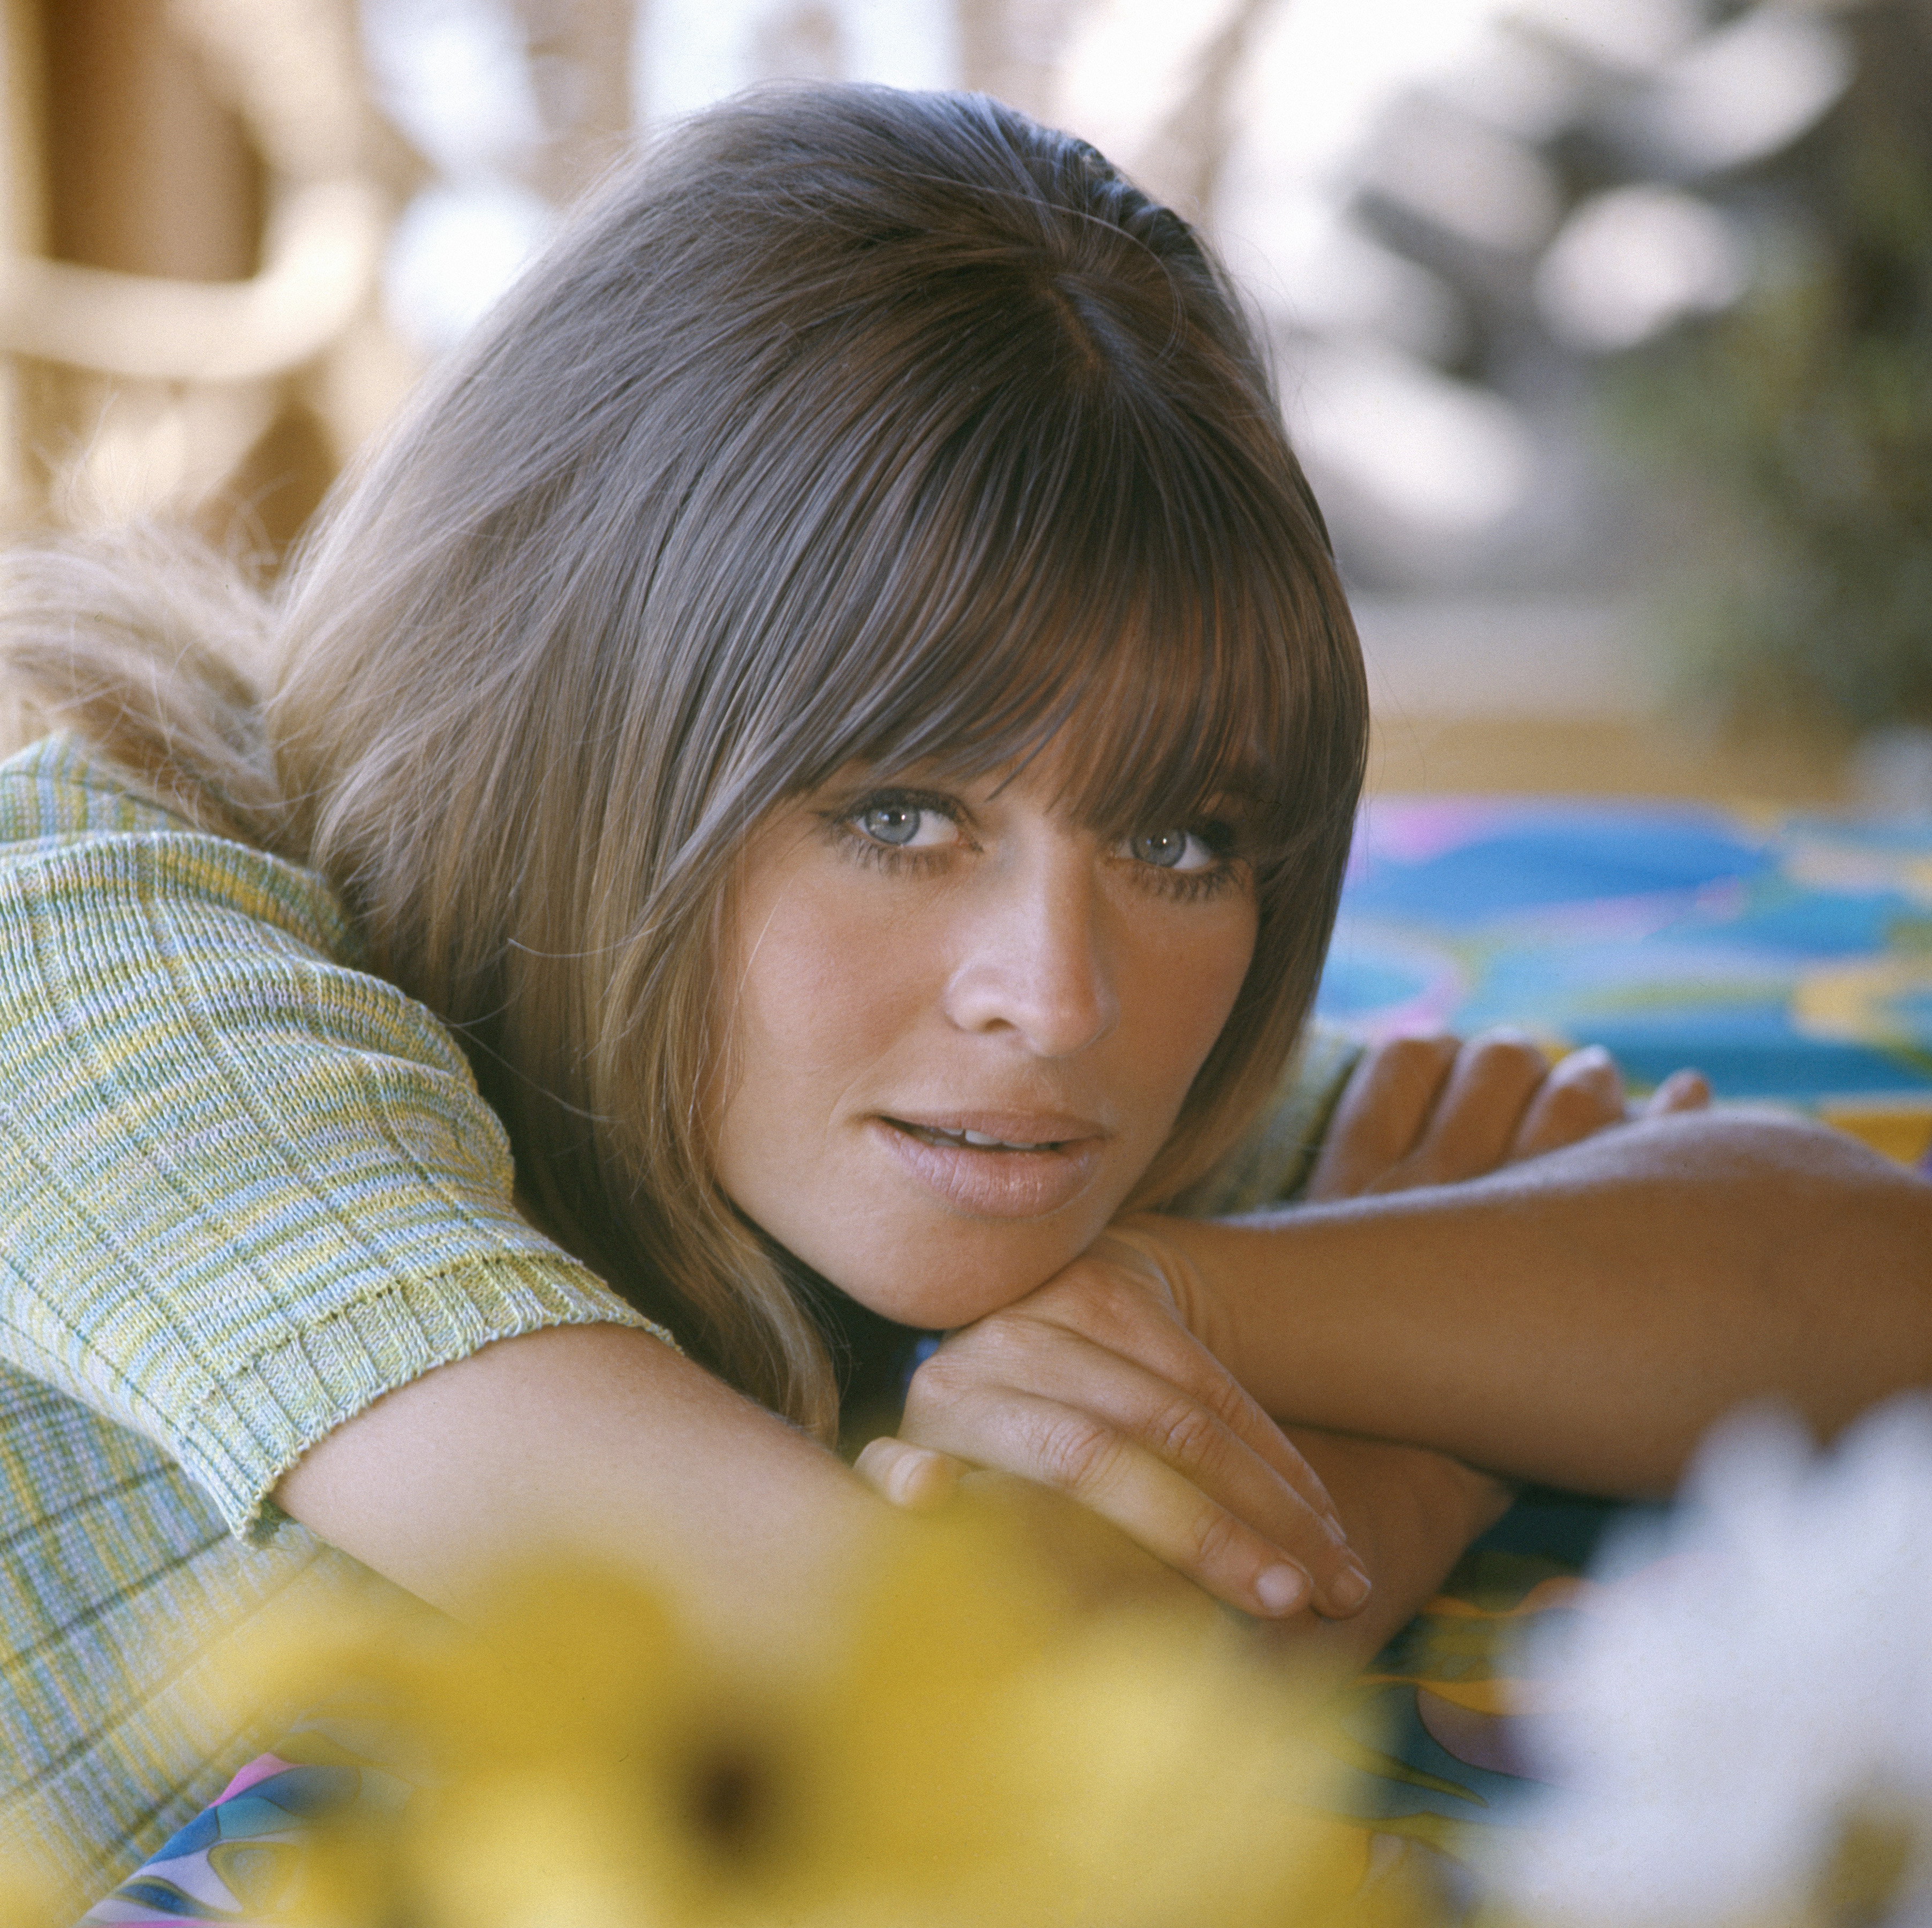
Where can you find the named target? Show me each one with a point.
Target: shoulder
(246, 1185)
(53, 792)
(148, 969)
(74, 835)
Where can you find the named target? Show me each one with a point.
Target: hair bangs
(1089, 587)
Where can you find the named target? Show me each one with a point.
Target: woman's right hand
(1093, 1386)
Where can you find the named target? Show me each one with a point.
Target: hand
(1092, 1385)
(1422, 1111)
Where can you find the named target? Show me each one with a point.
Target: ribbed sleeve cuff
(251, 1429)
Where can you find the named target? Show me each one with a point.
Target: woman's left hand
(1438, 1110)
(1093, 1385)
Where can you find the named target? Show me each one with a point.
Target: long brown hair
(846, 426)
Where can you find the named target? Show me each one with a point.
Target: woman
(806, 785)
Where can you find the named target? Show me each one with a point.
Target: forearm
(1582, 1318)
(597, 1443)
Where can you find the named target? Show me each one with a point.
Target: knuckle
(1074, 1281)
(1225, 1397)
(1116, 1296)
(1076, 1453)
(1419, 1059)
(1110, 1309)
(995, 1346)
(1577, 1103)
(950, 1377)
(1217, 1538)
(1185, 1434)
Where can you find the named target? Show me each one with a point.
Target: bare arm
(1583, 1317)
(598, 1441)
(1576, 1318)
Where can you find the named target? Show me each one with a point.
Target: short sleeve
(245, 1188)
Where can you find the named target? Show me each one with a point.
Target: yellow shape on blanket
(1860, 1003)
(1902, 1131)
(1562, 1590)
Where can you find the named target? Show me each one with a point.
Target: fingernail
(1282, 1589)
(1351, 1587)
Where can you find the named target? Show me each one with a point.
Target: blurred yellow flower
(979, 1754)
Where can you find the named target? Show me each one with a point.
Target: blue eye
(1163, 848)
(896, 824)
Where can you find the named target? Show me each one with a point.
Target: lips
(995, 1165)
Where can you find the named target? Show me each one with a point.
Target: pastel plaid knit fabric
(245, 1188)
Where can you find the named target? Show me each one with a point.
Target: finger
(1682, 1090)
(1582, 1094)
(1097, 1308)
(963, 1410)
(1483, 1101)
(913, 1477)
(1074, 1451)
(1381, 1113)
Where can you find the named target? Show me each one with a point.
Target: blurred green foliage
(1788, 444)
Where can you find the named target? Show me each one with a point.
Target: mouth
(994, 1165)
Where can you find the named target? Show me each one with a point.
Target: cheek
(818, 996)
(1187, 977)
(813, 996)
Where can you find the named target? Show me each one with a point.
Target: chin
(974, 1278)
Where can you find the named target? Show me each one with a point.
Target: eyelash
(843, 825)
(1189, 886)
(1184, 887)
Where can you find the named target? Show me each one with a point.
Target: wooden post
(148, 172)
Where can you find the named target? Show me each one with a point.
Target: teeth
(978, 1140)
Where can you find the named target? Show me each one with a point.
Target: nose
(1032, 958)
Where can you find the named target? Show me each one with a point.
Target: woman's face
(961, 1025)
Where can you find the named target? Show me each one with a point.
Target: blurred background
(1604, 326)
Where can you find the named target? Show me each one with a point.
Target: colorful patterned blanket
(1790, 958)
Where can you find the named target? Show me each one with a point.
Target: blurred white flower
(1727, 1713)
